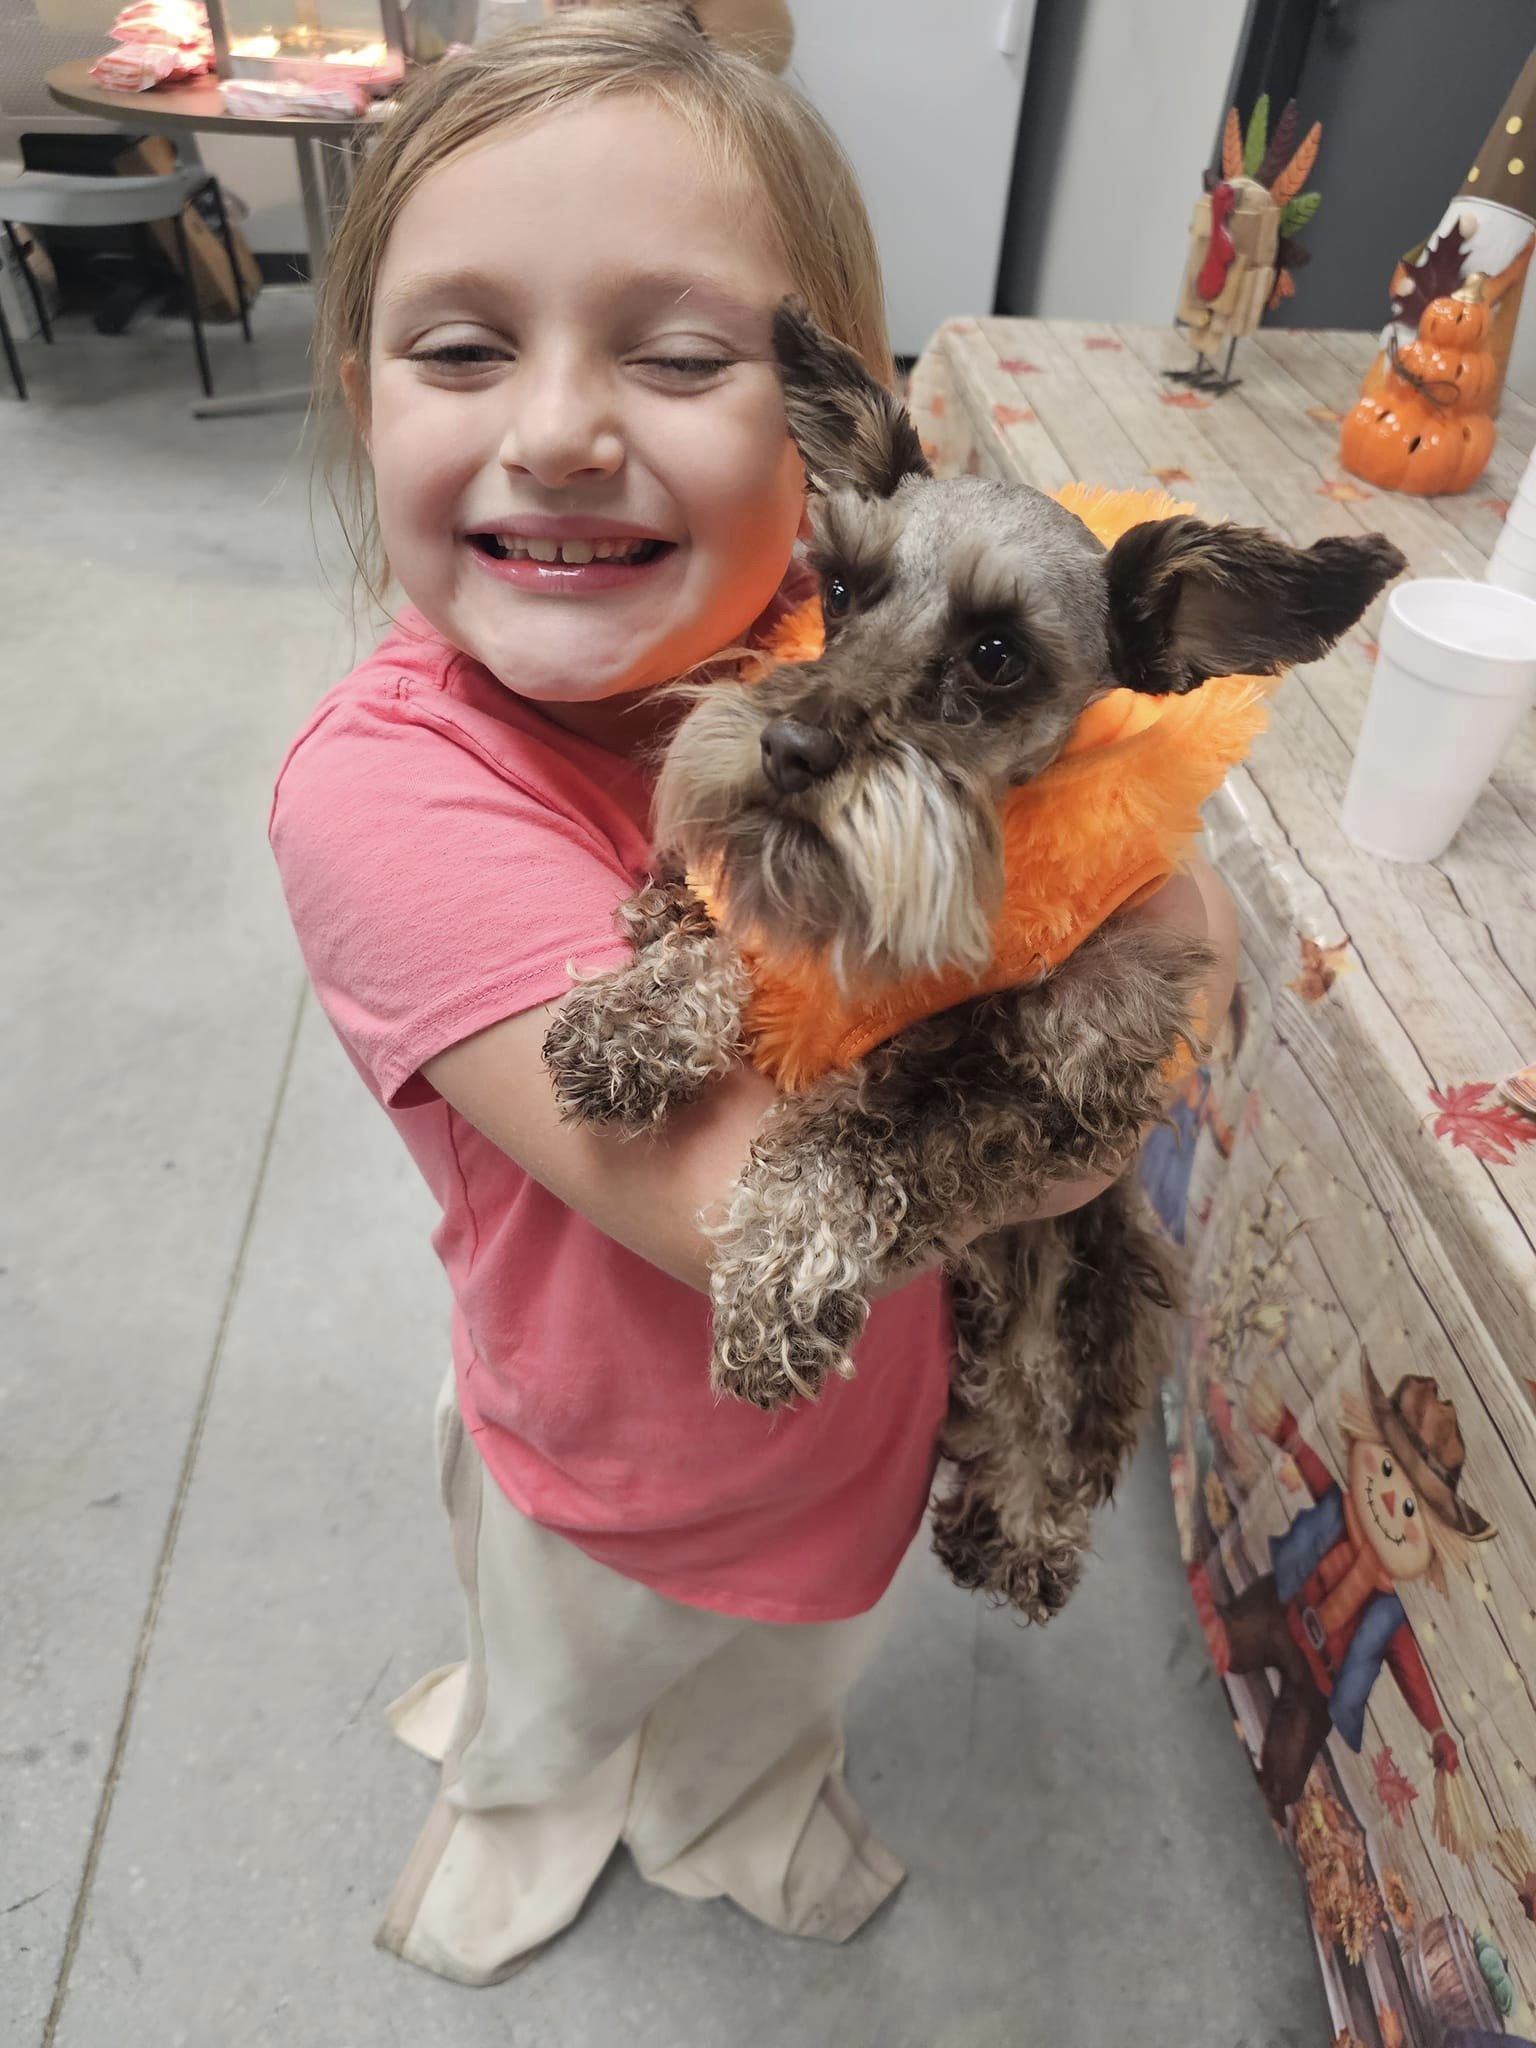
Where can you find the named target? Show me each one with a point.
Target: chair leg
(197, 319)
(11, 356)
(38, 305)
(227, 233)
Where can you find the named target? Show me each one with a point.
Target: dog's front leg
(816, 1215)
(957, 1126)
(891, 1166)
(626, 1047)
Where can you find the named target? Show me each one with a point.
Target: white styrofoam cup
(1455, 674)
(1517, 549)
(1509, 574)
(1513, 561)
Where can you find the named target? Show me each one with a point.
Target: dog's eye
(836, 597)
(995, 661)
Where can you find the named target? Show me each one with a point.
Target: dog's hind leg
(1116, 1313)
(1062, 1333)
(1006, 1522)
(625, 1048)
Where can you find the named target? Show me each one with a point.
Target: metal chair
(11, 357)
(57, 199)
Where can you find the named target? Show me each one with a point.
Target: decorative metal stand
(1204, 376)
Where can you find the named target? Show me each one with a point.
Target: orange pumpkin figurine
(1451, 347)
(1426, 429)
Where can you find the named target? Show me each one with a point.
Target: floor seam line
(167, 1552)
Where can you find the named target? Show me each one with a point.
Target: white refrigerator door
(924, 95)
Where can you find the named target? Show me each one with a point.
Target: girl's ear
(1188, 601)
(354, 389)
(851, 433)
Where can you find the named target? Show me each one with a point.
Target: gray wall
(1122, 107)
(1123, 101)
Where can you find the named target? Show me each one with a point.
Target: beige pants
(592, 1711)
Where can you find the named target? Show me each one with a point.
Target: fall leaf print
(1490, 1131)
(1321, 967)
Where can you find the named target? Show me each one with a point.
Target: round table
(327, 149)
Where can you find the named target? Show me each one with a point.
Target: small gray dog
(850, 808)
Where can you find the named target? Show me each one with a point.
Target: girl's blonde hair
(750, 124)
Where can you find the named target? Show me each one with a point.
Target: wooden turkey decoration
(1242, 244)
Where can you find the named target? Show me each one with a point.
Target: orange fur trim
(1107, 822)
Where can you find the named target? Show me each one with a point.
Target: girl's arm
(647, 1192)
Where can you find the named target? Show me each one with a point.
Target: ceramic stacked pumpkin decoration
(1426, 428)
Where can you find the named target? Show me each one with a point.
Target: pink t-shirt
(448, 853)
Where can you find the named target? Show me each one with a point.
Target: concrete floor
(222, 1333)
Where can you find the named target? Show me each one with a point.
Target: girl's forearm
(649, 1193)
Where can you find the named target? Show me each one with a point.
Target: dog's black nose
(796, 755)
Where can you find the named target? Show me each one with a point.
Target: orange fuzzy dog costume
(1106, 823)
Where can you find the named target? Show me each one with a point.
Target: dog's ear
(1188, 601)
(851, 432)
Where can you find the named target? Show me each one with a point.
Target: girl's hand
(1196, 902)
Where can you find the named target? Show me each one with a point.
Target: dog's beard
(886, 870)
(923, 865)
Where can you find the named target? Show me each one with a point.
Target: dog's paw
(627, 1047)
(771, 1345)
(663, 907)
(1035, 1581)
(1039, 1586)
(605, 1071)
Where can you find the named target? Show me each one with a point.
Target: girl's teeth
(576, 553)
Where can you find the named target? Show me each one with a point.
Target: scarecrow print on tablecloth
(1375, 1630)
(1328, 1615)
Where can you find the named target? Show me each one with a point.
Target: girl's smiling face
(571, 358)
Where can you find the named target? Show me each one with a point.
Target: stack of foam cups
(1513, 565)
(1455, 677)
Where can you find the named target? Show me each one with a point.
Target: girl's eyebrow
(676, 287)
(436, 284)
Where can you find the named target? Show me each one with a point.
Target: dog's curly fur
(624, 1048)
(969, 624)
(1061, 1335)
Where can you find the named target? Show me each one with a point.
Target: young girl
(549, 307)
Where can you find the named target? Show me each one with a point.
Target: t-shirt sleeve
(433, 891)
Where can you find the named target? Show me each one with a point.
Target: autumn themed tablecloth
(1351, 1430)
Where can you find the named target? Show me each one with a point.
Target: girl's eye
(836, 597)
(995, 661)
(686, 369)
(1386, 1468)
(1408, 1509)
(457, 353)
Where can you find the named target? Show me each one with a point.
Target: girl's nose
(1389, 1501)
(562, 427)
